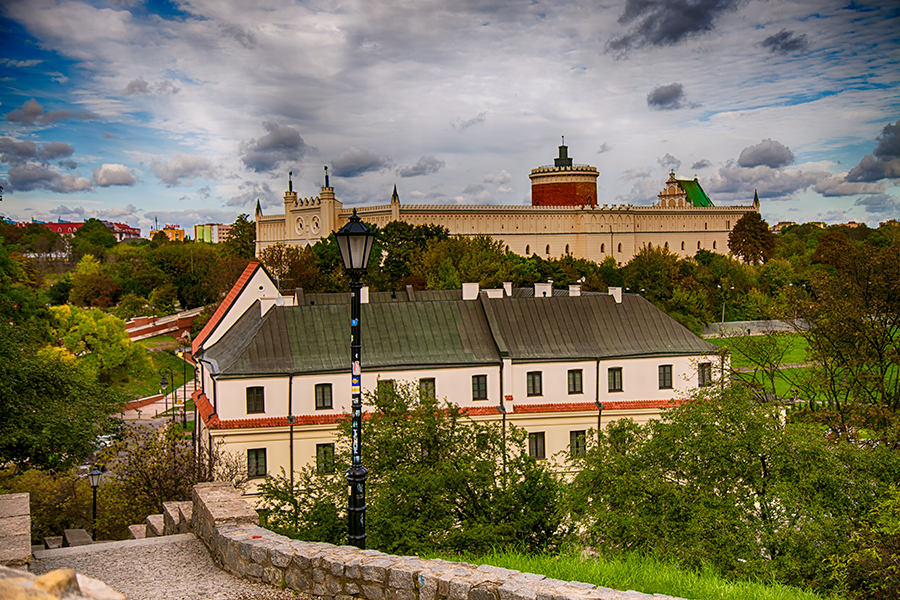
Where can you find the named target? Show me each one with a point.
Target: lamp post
(355, 243)
(167, 376)
(94, 478)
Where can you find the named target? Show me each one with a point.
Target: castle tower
(564, 184)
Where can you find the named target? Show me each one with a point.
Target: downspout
(291, 420)
(599, 405)
(502, 409)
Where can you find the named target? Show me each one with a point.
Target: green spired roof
(694, 192)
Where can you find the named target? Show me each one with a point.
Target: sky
(188, 112)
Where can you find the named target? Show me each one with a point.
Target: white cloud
(183, 169)
(113, 174)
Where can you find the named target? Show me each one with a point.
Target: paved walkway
(148, 413)
(175, 567)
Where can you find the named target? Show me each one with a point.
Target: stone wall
(229, 527)
(15, 530)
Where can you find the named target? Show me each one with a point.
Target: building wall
(639, 376)
(594, 233)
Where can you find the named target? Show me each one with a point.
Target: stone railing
(229, 527)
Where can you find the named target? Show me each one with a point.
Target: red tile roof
(590, 406)
(213, 421)
(235, 291)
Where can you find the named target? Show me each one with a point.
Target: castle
(564, 218)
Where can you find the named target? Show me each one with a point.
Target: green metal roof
(307, 339)
(694, 192)
(446, 333)
(587, 327)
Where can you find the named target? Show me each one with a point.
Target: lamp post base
(356, 511)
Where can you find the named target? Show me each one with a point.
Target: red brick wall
(564, 194)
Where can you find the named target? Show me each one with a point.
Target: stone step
(106, 546)
(76, 537)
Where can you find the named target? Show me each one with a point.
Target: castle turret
(564, 183)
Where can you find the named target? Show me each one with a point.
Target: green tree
(751, 239)
(51, 409)
(401, 242)
(872, 568)
(93, 238)
(446, 264)
(724, 481)
(241, 242)
(853, 337)
(100, 342)
(438, 481)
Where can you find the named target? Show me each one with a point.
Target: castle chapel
(564, 218)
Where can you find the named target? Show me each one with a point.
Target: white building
(275, 373)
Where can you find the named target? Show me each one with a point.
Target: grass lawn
(161, 354)
(643, 574)
(795, 353)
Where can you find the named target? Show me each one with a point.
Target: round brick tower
(564, 184)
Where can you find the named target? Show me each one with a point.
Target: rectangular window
(665, 377)
(615, 379)
(256, 462)
(479, 387)
(325, 458)
(385, 386)
(577, 443)
(533, 381)
(704, 374)
(323, 396)
(427, 388)
(536, 445)
(575, 382)
(256, 402)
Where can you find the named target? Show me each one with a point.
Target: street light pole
(94, 479)
(355, 242)
(164, 384)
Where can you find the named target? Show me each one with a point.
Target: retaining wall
(229, 527)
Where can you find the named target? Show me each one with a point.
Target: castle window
(727, 224)
(682, 245)
(602, 247)
(620, 246)
(667, 245)
(698, 245)
(548, 248)
(567, 248)
(527, 250)
(706, 226)
(714, 244)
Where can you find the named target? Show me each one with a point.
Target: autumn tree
(292, 267)
(91, 286)
(101, 343)
(751, 239)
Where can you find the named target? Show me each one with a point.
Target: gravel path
(176, 567)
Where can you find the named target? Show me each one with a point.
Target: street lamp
(94, 478)
(164, 385)
(355, 243)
